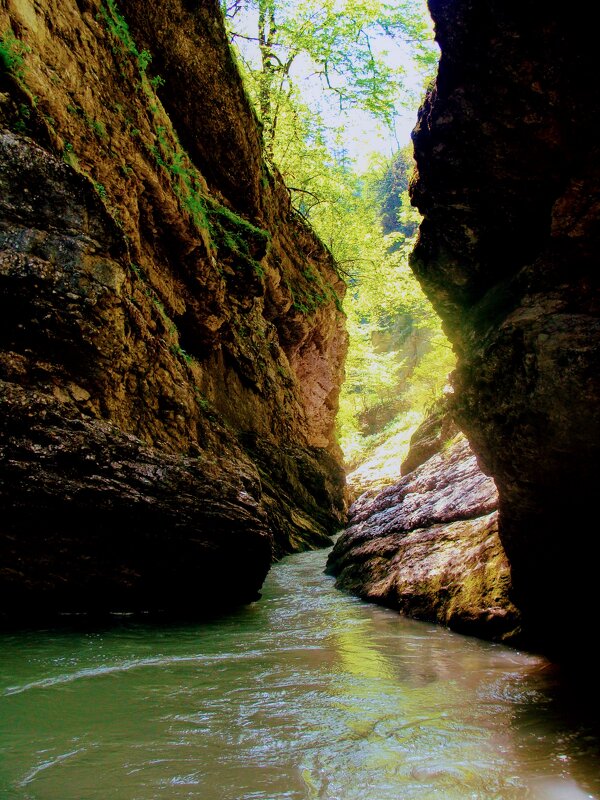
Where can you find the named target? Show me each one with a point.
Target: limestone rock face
(508, 179)
(428, 546)
(171, 344)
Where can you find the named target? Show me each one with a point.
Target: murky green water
(306, 694)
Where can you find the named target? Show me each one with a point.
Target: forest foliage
(339, 47)
(307, 65)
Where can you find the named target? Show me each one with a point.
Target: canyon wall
(171, 339)
(507, 149)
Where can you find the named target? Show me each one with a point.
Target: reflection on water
(307, 694)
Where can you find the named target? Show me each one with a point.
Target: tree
(340, 43)
(390, 191)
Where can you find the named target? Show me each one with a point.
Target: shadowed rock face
(508, 179)
(171, 343)
(98, 520)
(428, 545)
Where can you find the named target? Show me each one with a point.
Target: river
(308, 693)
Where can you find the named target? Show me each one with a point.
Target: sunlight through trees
(309, 68)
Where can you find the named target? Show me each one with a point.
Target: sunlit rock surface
(508, 180)
(428, 545)
(171, 343)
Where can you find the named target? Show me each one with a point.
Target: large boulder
(428, 546)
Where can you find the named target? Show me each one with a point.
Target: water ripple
(126, 666)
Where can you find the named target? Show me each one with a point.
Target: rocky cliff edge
(508, 177)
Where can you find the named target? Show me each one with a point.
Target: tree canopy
(343, 45)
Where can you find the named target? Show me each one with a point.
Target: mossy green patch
(12, 54)
(313, 292)
(96, 126)
(237, 239)
(118, 27)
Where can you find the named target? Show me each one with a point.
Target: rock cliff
(428, 545)
(171, 341)
(507, 152)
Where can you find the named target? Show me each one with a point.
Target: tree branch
(305, 191)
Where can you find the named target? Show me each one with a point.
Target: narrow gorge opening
(337, 87)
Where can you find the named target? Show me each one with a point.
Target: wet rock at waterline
(429, 547)
(171, 340)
